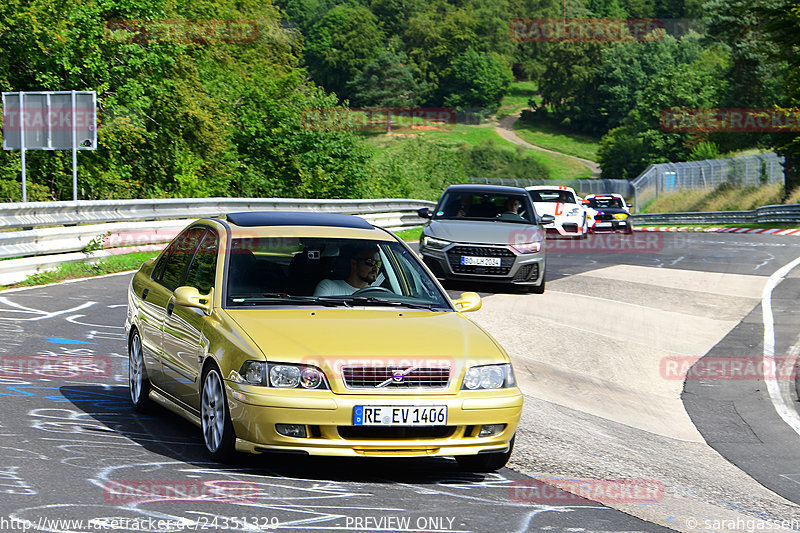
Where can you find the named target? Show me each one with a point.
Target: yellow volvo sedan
(317, 334)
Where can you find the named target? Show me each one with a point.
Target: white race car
(565, 206)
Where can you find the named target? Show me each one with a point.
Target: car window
(605, 202)
(201, 271)
(292, 270)
(554, 195)
(477, 205)
(179, 255)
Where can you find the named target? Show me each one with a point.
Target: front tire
(138, 382)
(485, 462)
(218, 434)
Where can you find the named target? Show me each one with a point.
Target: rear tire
(138, 382)
(218, 434)
(485, 462)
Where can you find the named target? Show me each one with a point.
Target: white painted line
(786, 412)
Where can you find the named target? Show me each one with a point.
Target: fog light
(291, 430)
(490, 430)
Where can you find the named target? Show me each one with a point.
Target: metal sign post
(50, 120)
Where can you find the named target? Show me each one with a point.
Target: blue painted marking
(59, 340)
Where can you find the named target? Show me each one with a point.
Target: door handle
(144, 293)
(170, 307)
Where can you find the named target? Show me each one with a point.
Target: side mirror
(469, 301)
(191, 297)
(629, 204)
(424, 212)
(585, 202)
(546, 220)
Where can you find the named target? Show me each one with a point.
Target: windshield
(465, 205)
(564, 197)
(330, 272)
(608, 202)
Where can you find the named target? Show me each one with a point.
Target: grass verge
(86, 269)
(723, 198)
(410, 234)
(553, 138)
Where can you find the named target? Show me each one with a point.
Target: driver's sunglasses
(370, 261)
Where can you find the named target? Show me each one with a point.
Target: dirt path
(505, 128)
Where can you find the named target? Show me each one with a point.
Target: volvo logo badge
(397, 377)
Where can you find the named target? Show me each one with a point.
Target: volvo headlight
(489, 377)
(437, 244)
(620, 216)
(284, 376)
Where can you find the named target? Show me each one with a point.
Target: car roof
(605, 195)
(550, 188)
(485, 189)
(296, 218)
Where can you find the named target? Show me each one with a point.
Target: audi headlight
(620, 216)
(437, 244)
(528, 248)
(489, 377)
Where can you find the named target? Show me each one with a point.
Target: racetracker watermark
(181, 31)
(728, 368)
(556, 491)
(609, 243)
(584, 30)
(170, 491)
(362, 118)
(39, 120)
(55, 367)
(730, 120)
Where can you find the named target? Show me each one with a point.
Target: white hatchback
(561, 202)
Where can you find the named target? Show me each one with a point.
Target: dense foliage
(203, 117)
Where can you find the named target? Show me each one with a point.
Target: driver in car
(365, 263)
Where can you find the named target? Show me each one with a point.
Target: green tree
(387, 81)
(476, 80)
(340, 46)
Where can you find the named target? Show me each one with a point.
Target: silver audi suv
(486, 233)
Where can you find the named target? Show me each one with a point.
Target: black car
(608, 213)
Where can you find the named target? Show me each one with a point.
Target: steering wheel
(370, 289)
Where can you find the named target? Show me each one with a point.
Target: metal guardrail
(770, 214)
(740, 171)
(66, 228)
(581, 186)
(28, 215)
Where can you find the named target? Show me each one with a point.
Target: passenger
(365, 263)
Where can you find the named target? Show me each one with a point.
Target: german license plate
(400, 415)
(603, 224)
(480, 261)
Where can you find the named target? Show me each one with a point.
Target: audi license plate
(400, 415)
(480, 261)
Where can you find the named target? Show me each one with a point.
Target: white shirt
(334, 287)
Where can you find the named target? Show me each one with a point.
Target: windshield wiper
(371, 300)
(283, 297)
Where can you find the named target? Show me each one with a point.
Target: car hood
(553, 208)
(328, 336)
(478, 232)
(609, 210)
